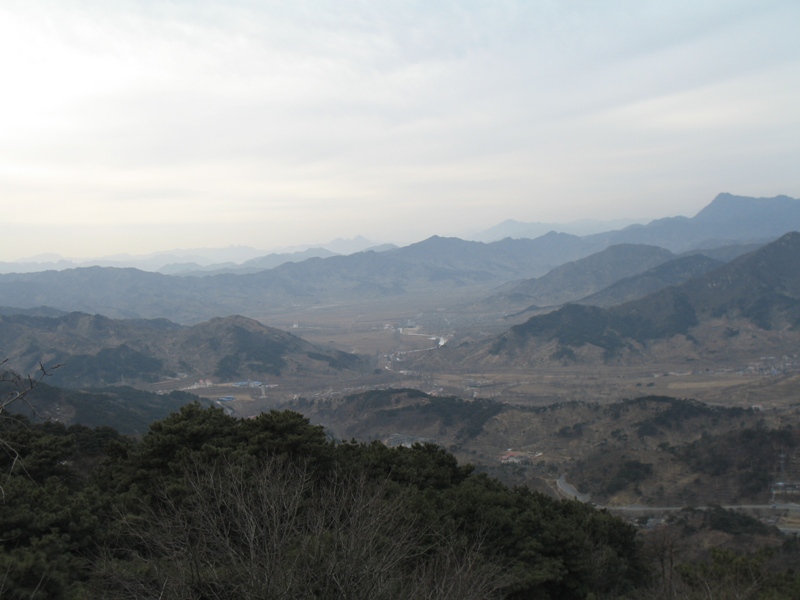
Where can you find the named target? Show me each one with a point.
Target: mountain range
(426, 267)
(619, 314)
(578, 279)
(727, 220)
(663, 296)
(434, 264)
(96, 350)
(673, 272)
(754, 296)
(517, 229)
(197, 261)
(615, 275)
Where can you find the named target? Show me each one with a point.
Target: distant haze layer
(727, 220)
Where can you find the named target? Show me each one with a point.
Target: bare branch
(22, 386)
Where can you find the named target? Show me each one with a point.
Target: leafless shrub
(233, 530)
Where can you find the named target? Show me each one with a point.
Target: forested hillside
(208, 506)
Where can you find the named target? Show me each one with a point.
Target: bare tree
(16, 388)
(276, 531)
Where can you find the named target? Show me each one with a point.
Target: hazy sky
(148, 125)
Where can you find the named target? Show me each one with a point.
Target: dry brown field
(397, 329)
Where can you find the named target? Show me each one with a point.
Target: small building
(517, 458)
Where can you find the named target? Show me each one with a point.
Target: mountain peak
(729, 207)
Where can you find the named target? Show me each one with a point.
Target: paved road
(570, 491)
(639, 507)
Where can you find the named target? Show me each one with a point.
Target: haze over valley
(558, 317)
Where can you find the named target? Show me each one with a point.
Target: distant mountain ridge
(751, 304)
(436, 265)
(578, 279)
(231, 255)
(673, 272)
(762, 287)
(196, 261)
(518, 229)
(254, 265)
(96, 350)
(727, 219)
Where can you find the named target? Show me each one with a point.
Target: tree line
(205, 505)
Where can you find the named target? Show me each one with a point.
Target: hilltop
(727, 219)
(96, 350)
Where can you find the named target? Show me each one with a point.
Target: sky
(138, 126)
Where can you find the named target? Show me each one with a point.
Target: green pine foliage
(208, 506)
(204, 503)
